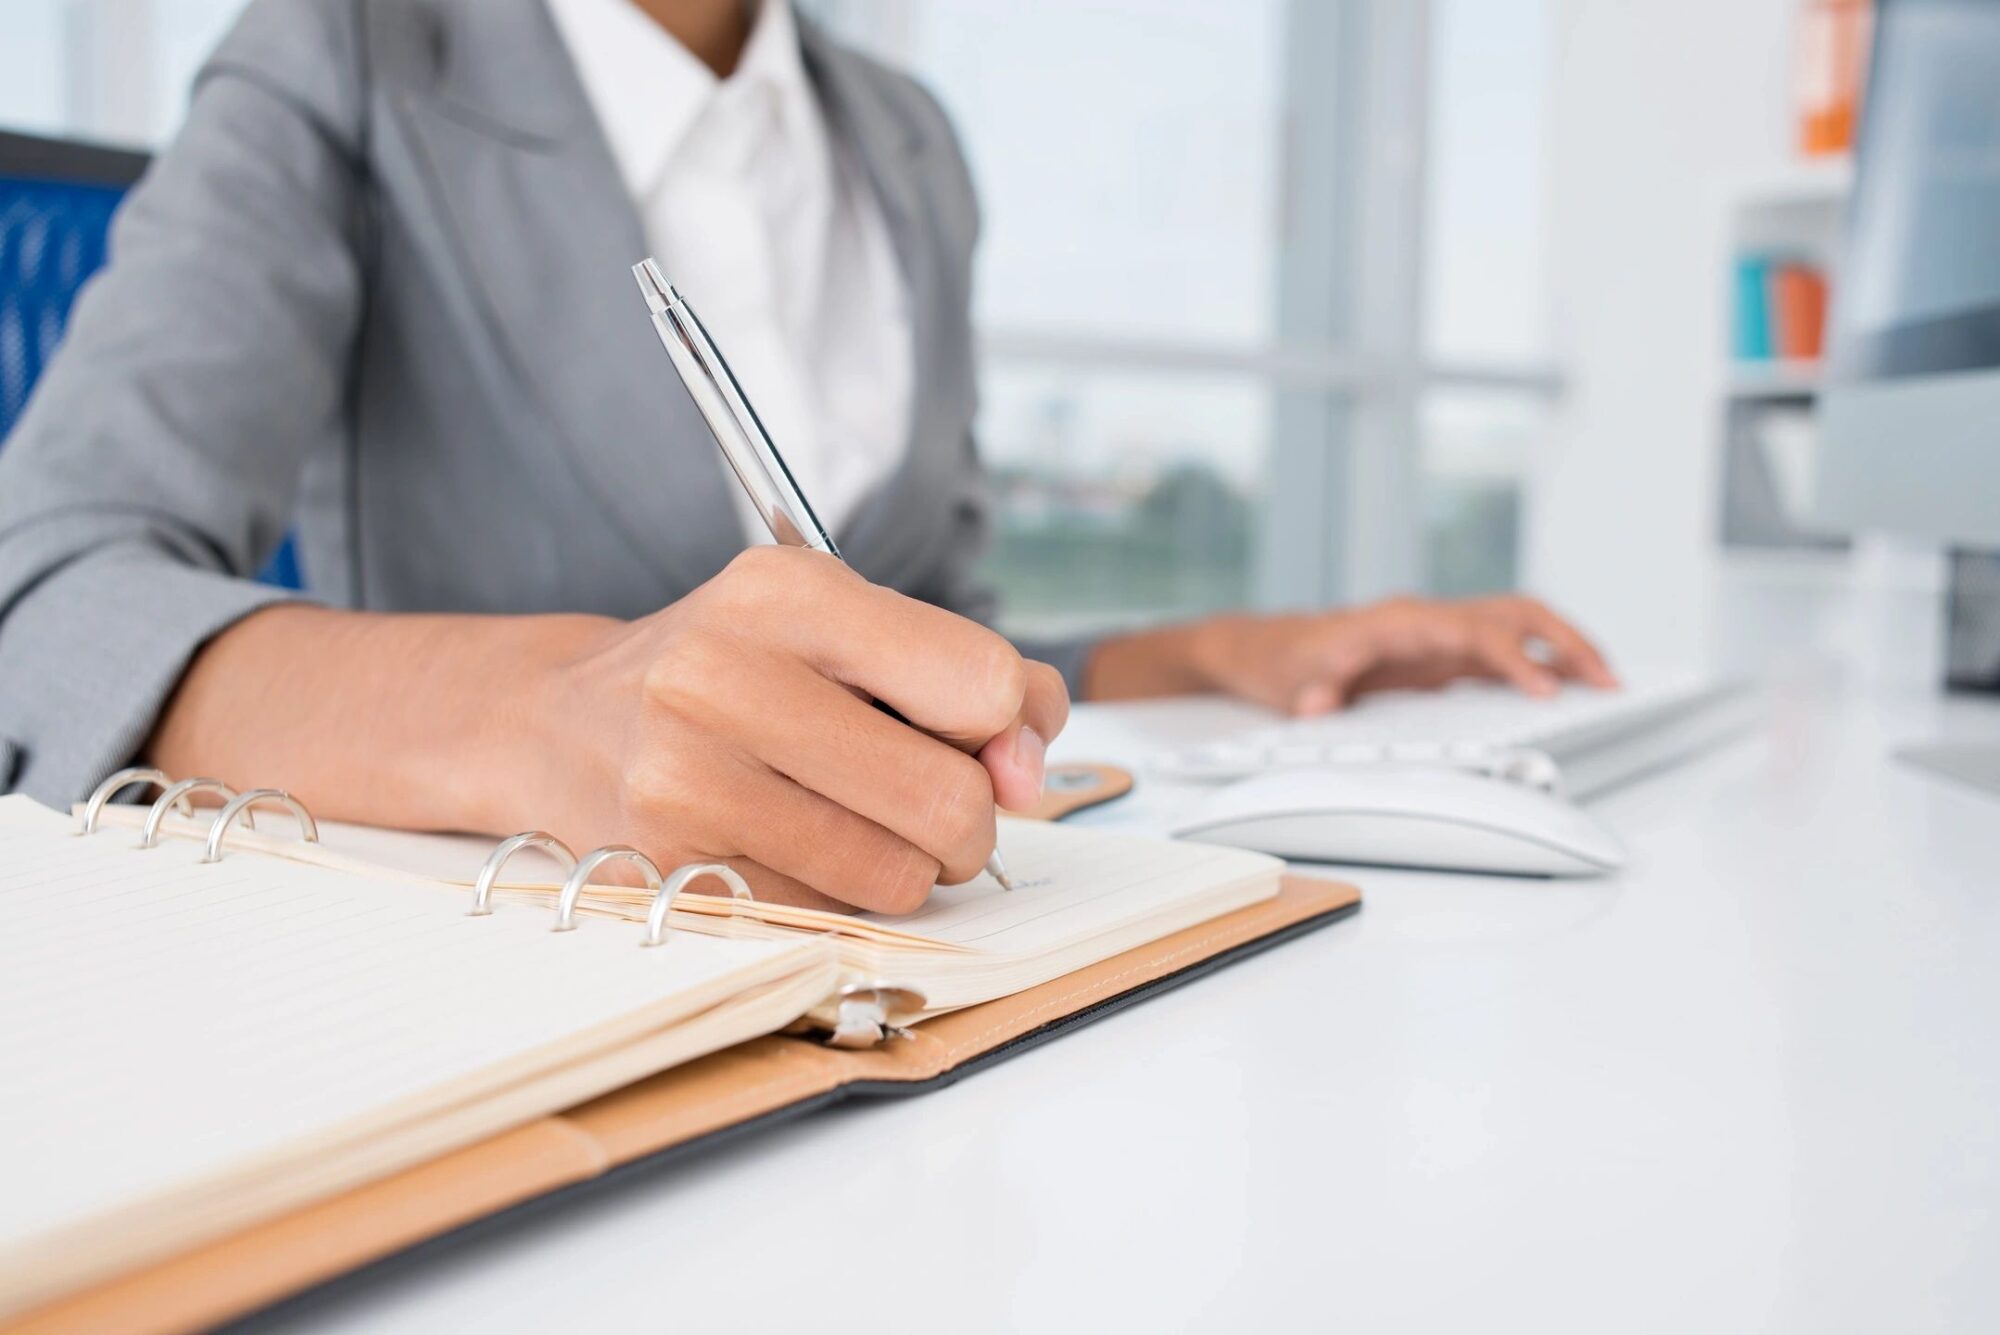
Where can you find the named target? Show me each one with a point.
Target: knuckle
(904, 879)
(1344, 662)
(961, 813)
(750, 579)
(761, 561)
(656, 784)
(1052, 687)
(746, 576)
(998, 678)
(758, 576)
(687, 676)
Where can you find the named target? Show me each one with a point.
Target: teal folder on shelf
(1753, 309)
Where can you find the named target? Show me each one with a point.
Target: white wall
(1658, 109)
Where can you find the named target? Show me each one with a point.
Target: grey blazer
(378, 288)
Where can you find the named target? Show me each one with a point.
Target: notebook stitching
(979, 1040)
(600, 1157)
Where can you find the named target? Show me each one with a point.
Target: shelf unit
(1777, 379)
(1767, 444)
(1804, 181)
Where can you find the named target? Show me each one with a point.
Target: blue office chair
(56, 202)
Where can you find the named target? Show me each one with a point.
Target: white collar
(648, 90)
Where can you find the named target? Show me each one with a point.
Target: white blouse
(773, 232)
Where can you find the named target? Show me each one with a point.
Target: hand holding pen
(1007, 753)
(725, 728)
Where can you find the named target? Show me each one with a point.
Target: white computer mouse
(1405, 816)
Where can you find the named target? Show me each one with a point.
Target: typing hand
(1314, 663)
(735, 726)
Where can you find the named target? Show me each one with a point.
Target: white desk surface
(1753, 1083)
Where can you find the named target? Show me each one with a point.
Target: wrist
(1203, 649)
(1167, 660)
(508, 768)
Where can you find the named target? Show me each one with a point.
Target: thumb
(1016, 758)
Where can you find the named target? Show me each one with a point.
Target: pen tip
(998, 871)
(654, 284)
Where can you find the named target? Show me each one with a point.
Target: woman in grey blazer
(377, 291)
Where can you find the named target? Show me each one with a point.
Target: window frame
(1347, 370)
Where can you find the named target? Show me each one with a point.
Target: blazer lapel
(547, 234)
(890, 537)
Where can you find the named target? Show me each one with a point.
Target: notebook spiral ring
(482, 889)
(240, 807)
(93, 810)
(864, 1006)
(177, 795)
(663, 899)
(573, 888)
(664, 889)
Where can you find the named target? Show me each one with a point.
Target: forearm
(421, 721)
(732, 725)
(1145, 664)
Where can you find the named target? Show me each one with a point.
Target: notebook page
(167, 1019)
(368, 850)
(1072, 885)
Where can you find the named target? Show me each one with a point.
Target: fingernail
(1033, 752)
(1314, 699)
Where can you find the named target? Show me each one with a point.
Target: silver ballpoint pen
(737, 429)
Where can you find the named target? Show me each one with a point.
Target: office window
(31, 68)
(1127, 158)
(1145, 167)
(111, 70)
(1125, 153)
(1485, 285)
(1272, 268)
(1475, 445)
(1122, 497)
(1486, 313)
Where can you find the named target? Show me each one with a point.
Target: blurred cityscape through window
(1134, 160)
(1122, 497)
(1131, 157)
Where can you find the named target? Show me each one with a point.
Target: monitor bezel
(1943, 345)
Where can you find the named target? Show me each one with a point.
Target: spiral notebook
(1079, 896)
(233, 1022)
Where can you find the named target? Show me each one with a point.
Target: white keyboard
(1579, 743)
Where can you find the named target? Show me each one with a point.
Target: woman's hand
(734, 726)
(1310, 664)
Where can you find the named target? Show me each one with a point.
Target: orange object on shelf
(1799, 301)
(1833, 62)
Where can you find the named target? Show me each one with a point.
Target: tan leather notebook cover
(676, 1112)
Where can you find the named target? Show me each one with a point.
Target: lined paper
(1073, 885)
(167, 1019)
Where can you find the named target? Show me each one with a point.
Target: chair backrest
(56, 202)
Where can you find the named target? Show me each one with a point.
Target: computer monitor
(1910, 416)
(1908, 419)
